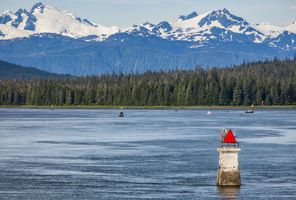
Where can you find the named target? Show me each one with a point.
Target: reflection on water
(148, 154)
(228, 193)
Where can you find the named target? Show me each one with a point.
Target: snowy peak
(164, 26)
(53, 20)
(49, 19)
(22, 11)
(219, 25)
(6, 17)
(38, 7)
(223, 17)
(218, 18)
(189, 16)
(20, 19)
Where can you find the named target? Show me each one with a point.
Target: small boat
(121, 114)
(249, 111)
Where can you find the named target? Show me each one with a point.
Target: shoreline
(92, 107)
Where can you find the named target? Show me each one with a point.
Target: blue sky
(125, 13)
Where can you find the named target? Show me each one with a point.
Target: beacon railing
(227, 145)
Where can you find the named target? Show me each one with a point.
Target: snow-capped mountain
(215, 25)
(49, 19)
(57, 41)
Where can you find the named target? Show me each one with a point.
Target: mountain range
(60, 42)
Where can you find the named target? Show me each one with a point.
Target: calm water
(148, 154)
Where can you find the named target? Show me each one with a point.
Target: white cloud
(293, 7)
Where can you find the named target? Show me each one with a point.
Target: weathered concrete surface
(228, 173)
(228, 178)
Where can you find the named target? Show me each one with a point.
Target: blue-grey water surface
(148, 154)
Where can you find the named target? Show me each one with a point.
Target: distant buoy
(209, 113)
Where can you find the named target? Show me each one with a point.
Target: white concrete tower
(228, 173)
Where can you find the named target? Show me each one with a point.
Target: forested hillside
(10, 71)
(274, 83)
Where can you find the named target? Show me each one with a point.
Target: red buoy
(229, 137)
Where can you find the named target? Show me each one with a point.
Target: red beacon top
(229, 137)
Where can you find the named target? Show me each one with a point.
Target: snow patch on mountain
(291, 28)
(9, 32)
(268, 29)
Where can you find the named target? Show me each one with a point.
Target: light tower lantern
(228, 173)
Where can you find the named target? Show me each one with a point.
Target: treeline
(271, 82)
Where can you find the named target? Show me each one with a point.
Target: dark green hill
(12, 71)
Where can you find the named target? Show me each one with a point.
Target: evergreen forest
(264, 82)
